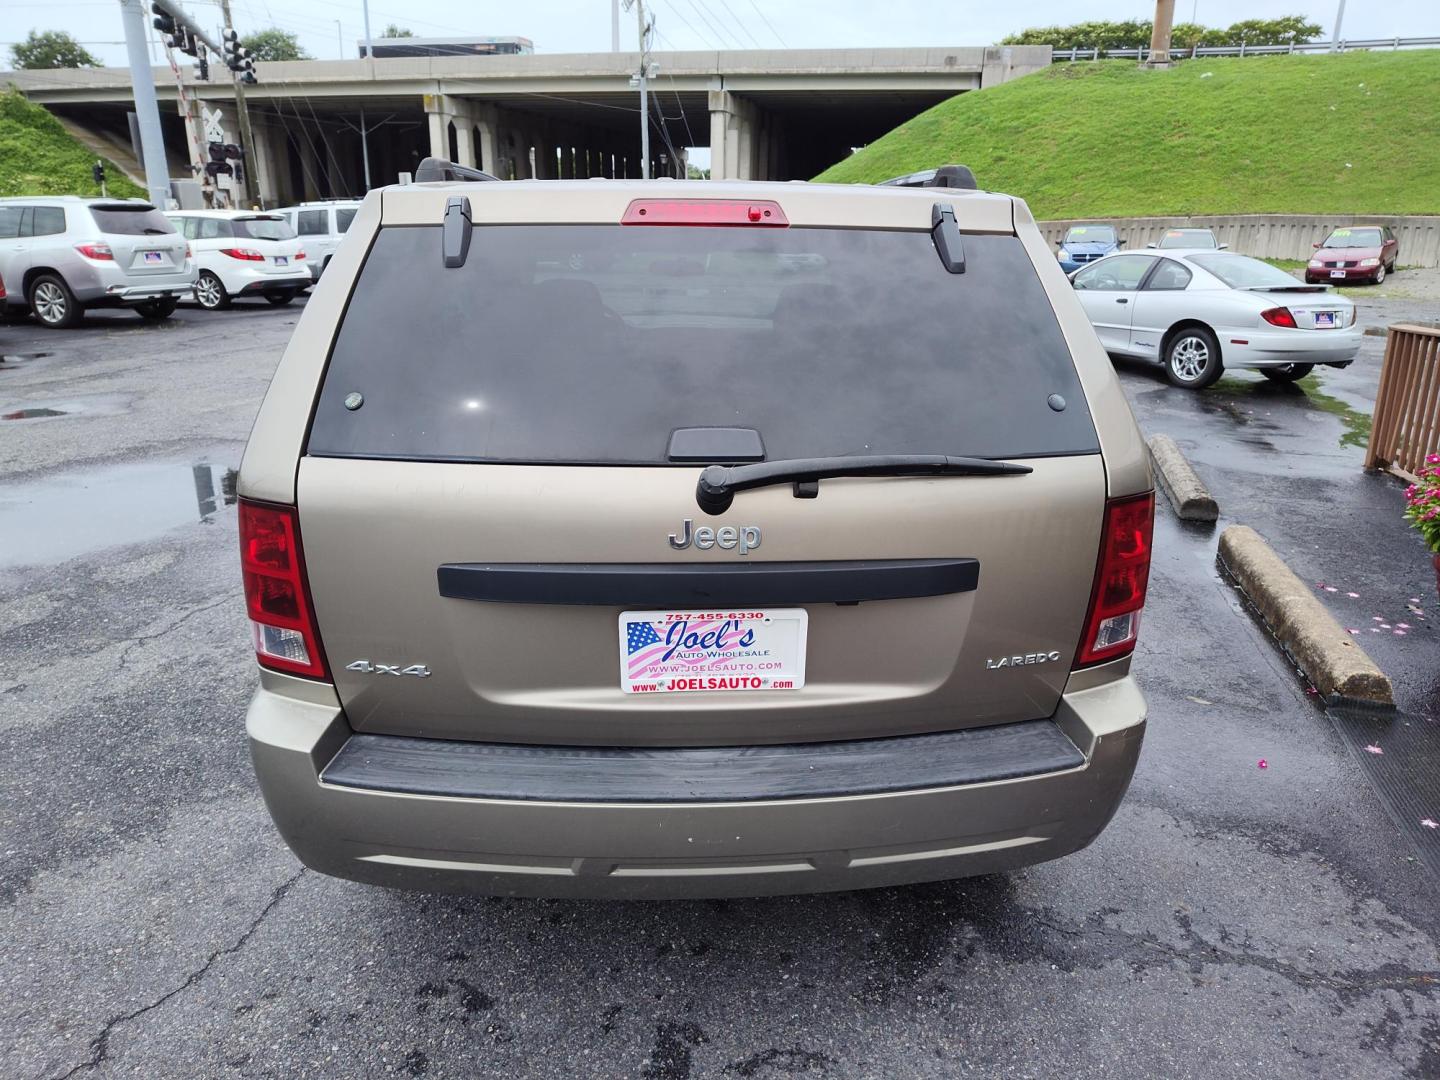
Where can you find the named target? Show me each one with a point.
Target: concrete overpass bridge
(764, 114)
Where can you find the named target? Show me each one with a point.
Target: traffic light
(202, 67)
(217, 165)
(97, 173)
(237, 57)
(164, 22)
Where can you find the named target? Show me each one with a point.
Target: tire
(1380, 274)
(155, 310)
(1288, 374)
(53, 304)
(1192, 358)
(282, 297)
(210, 293)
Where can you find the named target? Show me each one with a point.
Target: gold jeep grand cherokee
(637, 539)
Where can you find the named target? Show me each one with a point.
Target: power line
(723, 38)
(689, 25)
(726, 5)
(768, 23)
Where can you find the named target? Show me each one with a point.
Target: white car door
(1107, 290)
(1158, 306)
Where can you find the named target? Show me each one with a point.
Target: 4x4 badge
(366, 666)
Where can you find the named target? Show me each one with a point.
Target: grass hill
(39, 157)
(1355, 133)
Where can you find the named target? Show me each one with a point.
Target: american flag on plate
(638, 635)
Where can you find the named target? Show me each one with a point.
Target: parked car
(1085, 243)
(63, 254)
(1199, 312)
(243, 253)
(577, 612)
(1187, 239)
(1355, 253)
(320, 227)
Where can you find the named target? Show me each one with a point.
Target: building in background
(461, 46)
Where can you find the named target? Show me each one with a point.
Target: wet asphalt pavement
(1233, 921)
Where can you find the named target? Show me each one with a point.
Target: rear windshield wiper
(716, 488)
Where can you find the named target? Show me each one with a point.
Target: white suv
(321, 226)
(243, 253)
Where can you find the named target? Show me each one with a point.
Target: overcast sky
(584, 25)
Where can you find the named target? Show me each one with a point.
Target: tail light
(96, 251)
(248, 254)
(1121, 576)
(1279, 316)
(188, 252)
(299, 257)
(276, 594)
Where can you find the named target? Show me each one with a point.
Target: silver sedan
(1198, 312)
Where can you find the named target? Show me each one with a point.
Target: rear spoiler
(434, 168)
(946, 176)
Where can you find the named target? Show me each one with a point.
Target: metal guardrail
(1406, 425)
(1065, 56)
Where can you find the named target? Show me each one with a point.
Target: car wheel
(210, 293)
(1287, 374)
(1192, 358)
(281, 297)
(161, 308)
(1380, 274)
(53, 304)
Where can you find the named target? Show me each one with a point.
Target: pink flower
(1263, 764)
(1432, 459)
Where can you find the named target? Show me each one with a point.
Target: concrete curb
(1188, 494)
(1327, 654)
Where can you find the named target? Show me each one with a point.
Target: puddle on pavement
(46, 522)
(1232, 391)
(93, 405)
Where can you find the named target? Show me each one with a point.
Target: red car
(1354, 253)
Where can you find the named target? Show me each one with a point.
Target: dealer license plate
(665, 652)
(1337, 273)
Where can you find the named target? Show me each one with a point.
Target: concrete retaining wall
(1272, 236)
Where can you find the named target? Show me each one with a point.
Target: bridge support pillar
(736, 138)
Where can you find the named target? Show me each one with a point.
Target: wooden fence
(1407, 406)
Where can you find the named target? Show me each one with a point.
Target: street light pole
(147, 109)
(247, 136)
(370, 63)
(614, 25)
(1339, 21)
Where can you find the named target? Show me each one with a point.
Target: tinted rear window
(266, 228)
(592, 343)
(343, 217)
(131, 221)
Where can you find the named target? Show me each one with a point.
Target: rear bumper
(113, 288)
(1276, 348)
(686, 848)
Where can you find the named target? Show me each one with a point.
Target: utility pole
(340, 38)
(147, 109)
(1160, 35)
(247, 135)
(640, 80)
(1339, 21)
(614, 25)
(370, 62)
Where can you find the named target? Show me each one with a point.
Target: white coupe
(1198, 312)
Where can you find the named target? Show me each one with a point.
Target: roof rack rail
(434, 168)
(951, 176)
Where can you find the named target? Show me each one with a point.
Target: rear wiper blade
(715, 490)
